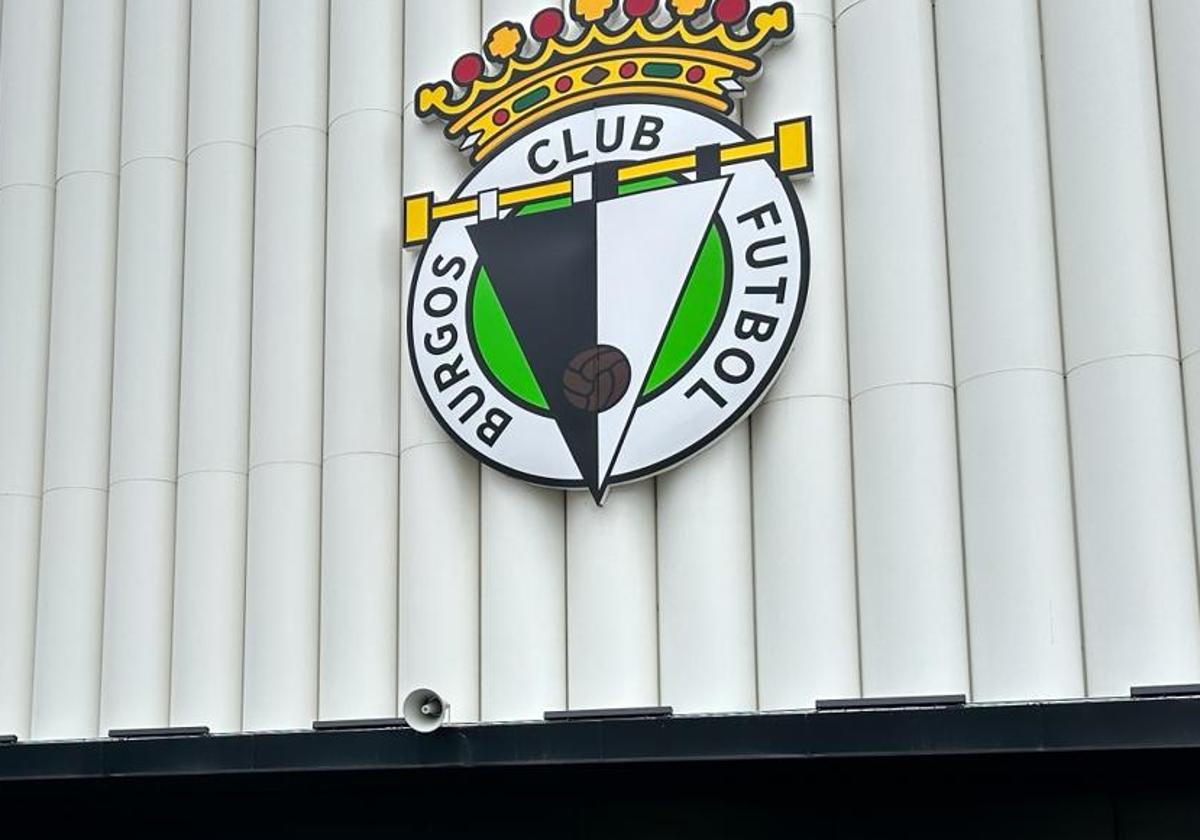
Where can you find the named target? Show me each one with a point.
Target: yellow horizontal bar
(748, 151)
(657, 166)
(454, 209)
(537, 192)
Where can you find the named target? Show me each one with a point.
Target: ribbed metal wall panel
(1018, 524)
(706, 581)
(612, 599)
(223, 502)
(214, 390)
(1137, 558)
(362, 362)
(136, 660)
(804, 573)
(1176, 34)
(29, 62)
(66, 686)
(283, 541)
(912, 616)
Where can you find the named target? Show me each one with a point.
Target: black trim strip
(1182, 690)
(892, 702)
(1058, 727)
(160, 732)
(359, 723)
(608, 714)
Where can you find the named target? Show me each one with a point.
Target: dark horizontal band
(943, 730)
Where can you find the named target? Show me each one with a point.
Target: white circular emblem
(596, 321)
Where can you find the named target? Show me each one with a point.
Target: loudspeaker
(424, 710)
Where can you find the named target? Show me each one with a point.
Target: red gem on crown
(730, 12)
(467, 69)
(547, 24)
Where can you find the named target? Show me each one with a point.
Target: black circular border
(747, 407)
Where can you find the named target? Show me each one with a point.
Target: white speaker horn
(425, 710)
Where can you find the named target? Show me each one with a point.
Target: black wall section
(1124, 769)
(1136, 796)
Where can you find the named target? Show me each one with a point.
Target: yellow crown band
(483, 134)
(610, 62)
(680, 61)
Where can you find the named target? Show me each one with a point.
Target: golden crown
(696, 51)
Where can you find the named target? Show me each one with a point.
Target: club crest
(621, 277)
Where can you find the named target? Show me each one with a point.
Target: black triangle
(543, 269)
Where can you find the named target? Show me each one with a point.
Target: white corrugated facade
(223, 501)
